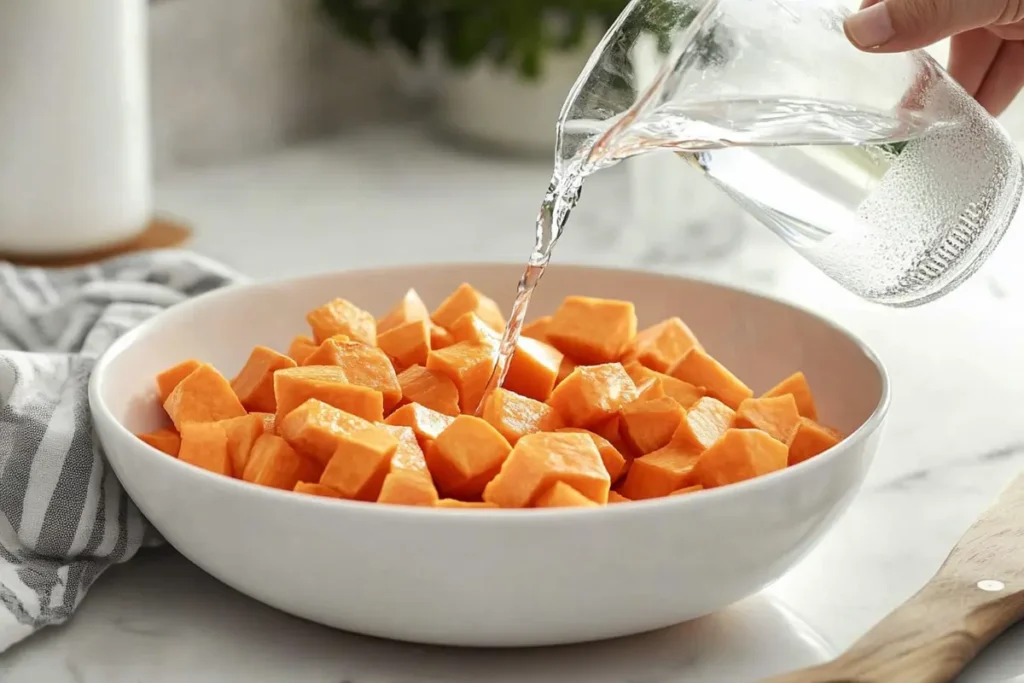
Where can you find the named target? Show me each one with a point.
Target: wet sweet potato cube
(269, 422)
(614, 461)
(649, 425)
(362, 461)
(466, 299)
(515, 416)
(313, 489)
(439, 337)
(565, 369)
(810, 439)
(650, 389)
(687, 489)
(342, 317)
(410, 308)
(683, 393)
(660, 346)
(561, 495)
(425, 423)
(796, 386)
(330, 384)
(254, 384)
(740, 454)
(318, 430)
(366, 366)
(452, 503)
(469, 366)
(469, 327)
(203, 396)
(429, 388)
(274, 463)
(702, 425)
(242, 433)
(592, 393)
(616, 497)
(406, 344)
(408, 481)
(592, 331)
(777, 416)
(660, 473)
(300, 348)
(701, 370)
(205, 445)
(534, 369)
(167, 380)
(166, 440)
(466, 456)
(540, 460)
(611, 431)
(536, 329)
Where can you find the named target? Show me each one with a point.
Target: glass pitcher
(878, 168)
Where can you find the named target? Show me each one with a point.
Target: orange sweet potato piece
(540, 460)
(611, 431)
(796, 386)
(565, 369)
(660, 473)
(318, 431)
(432, 389)
(739, 455)
(592, 393)
(166, 440)
(469, 327)
(363, 365)
(408, 482)
(452, 503)
(534, 369)
(167, 380)
(660, 346)
(427, 424)
(269, 422)
(439, 337)
(683, 393)
(649, 425)
(561, 495)
(342, 317)
(466, 299)
(274, 463)
(205, 444)
(469, 366)
(410, 308)
(704, 423)
(330, 384)
(777, 416)
(592, 331)
(254, 384)
(701, 370)
(313, 489)
(242, 433)
(810, 439)
(613, 460)
(406, 344)
(536, 329)
(651, 389)
(362, 461)
(616, 497)
(300, 348)
(466, 456)
(688, 489)
(203, 396)
(515, 416)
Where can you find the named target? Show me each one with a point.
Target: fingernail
(870, 27)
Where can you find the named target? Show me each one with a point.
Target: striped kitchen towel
(64, 518)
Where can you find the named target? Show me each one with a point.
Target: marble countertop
(392, 196)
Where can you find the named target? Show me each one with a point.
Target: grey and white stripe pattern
(64, 518)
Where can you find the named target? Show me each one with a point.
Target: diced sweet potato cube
(650, 389)
(166, 440)
(702, 425)
(810, 439)
(660, 473)
(427, 424)
(565, 369)
(469, 327)
(269, 422)
(660, 346)
(592, 393)
(408, 456)
(362, 461)
(318, 430)
(407, 344)
(167, 380)
(777, 416)
(683, 393)
(616, 497)
(469, 366)
(408, 482)
(796, 386)
(592, 331)
(205, 444)
(439, 337)
(466, 456)
(254, 384)
(432, 389)
(366, 366)
(274, 463)
(410, 308)
(614, 461)
(687, 489)
(242, 433)
(534, 369)
(739, 455)
(701, 370)
(327, 383)
(540, 460)
(466, 299)
(342, 317)
(313, 489)
(515, 416)
(452, 503)
(611, 431)
(537, 329)
(300, 348)
(561, 495)
(649, 425)
(203, 396)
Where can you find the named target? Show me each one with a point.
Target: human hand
(986, 51)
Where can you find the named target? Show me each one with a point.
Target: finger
(899, 25)
(970, 56)
(1004, 79)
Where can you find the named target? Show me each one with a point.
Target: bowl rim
(470, 515)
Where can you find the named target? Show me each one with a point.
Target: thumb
(899, 25)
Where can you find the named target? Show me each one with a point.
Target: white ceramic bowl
(494, 577)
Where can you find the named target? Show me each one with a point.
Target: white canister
(74, 125)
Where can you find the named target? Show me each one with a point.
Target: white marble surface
(387, 196)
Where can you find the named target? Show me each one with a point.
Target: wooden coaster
(161, 233)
